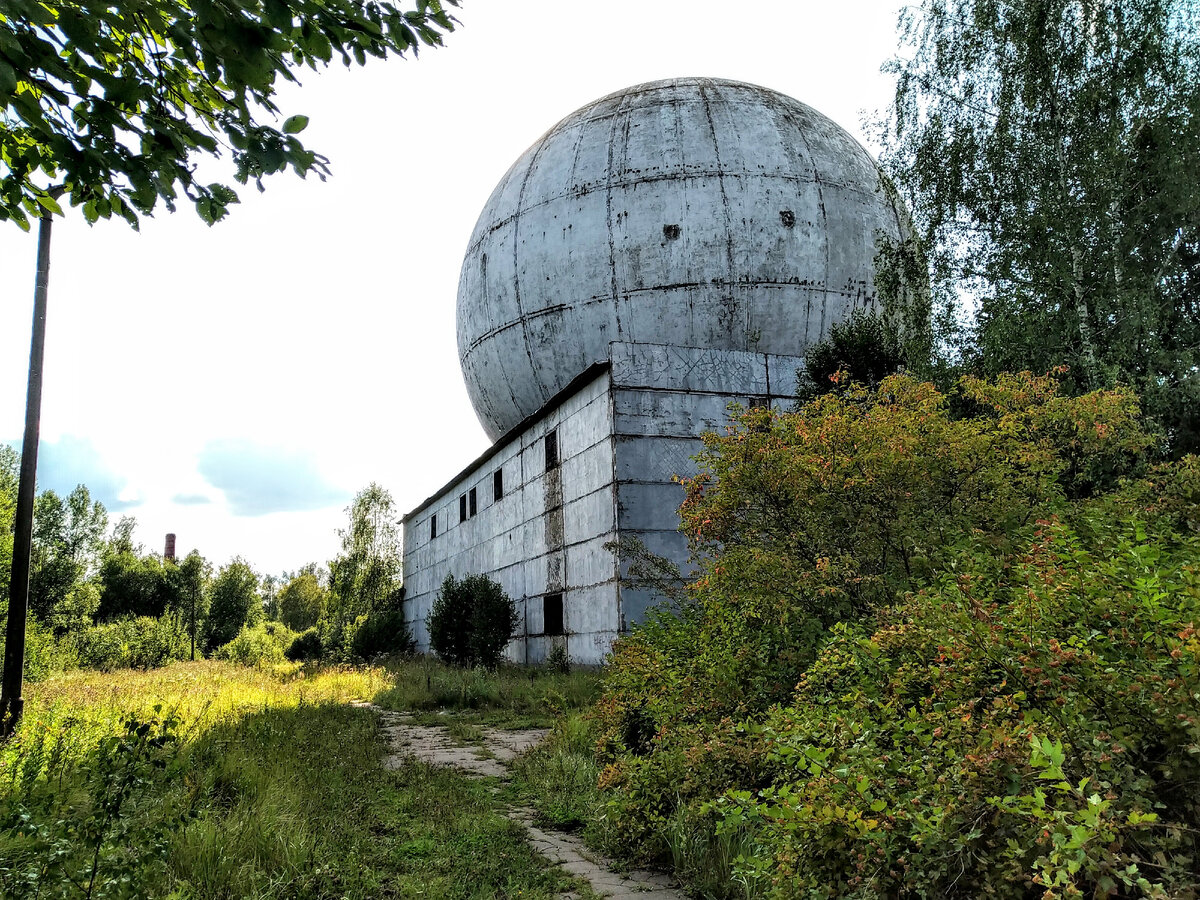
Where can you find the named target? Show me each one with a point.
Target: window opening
(462, 508)
(497, 485)
(552, 614)
(552, 450)
(433, 526)
(472, 503)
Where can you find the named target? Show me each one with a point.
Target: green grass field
(211, 780)
(509, 698)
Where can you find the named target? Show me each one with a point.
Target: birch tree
(1050, 152)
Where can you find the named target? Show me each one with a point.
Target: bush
(134, 643)
(882, 553)
(45, 654)
(233, 604)
(258, 645)
(863, 348)
(305, 647)
(471, 621)
(381, 633)
(557, 659)
(1028, 720)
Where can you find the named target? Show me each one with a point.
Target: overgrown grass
(560, 779)
(244, 783)
(511, 697)
(559, 776)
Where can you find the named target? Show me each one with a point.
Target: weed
(245, 782)
(559, 776)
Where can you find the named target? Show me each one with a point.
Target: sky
(236, 385)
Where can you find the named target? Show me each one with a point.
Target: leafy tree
(76, 611)
(269, 597)
(471, 621)
(68, 544)
(366, 575)
(133, 585)
(863, 347)
(233, 603)
(192, 577)
(68, 538)
(9, 469)
(121, 540)
(302, 602)
(113, 102)
(1050, 153)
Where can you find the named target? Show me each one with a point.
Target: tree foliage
(68, 539)
(826, 539)
(471, 621)
(1050, 153)
(10, 467)
(862, 349)
(301, 602)
(133, 584)
(113, 102)
(1025, 726)
(233, 603)
(366, 575)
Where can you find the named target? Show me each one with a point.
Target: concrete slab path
(433, 744)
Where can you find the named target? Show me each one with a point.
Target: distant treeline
(99, 600)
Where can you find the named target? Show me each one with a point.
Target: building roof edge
(549, 406)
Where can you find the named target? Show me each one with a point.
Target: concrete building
(658, 254)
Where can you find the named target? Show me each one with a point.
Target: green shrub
(381, 633)
(101, 647)
(878, 549)
(1028, 720)
(863, 348)
(340, 641)
(257, 645)
(305, 647)
(557, 659)
(45, 654)
(134, 643)
(471, 621)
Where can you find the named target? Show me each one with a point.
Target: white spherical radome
(693, 212)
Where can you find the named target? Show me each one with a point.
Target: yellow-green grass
(512, 696)
(270, 785)
(66, 716)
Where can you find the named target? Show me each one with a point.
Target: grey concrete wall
(622, 437)
(664, 398)
(546, 533)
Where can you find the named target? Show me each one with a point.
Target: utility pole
(12, 704)
(193, 629)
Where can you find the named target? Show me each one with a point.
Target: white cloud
(191, 499)
(258, 480)
(70, 461)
